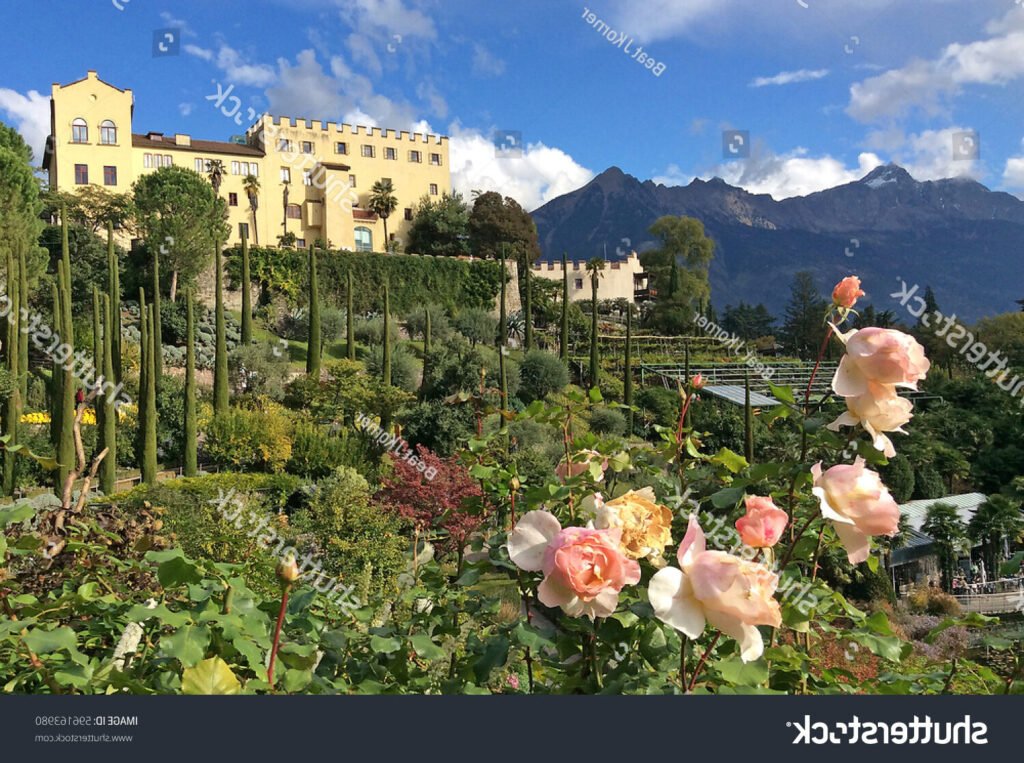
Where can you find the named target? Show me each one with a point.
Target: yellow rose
(646, 525)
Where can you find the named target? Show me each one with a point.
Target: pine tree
(12, 408)
(313, 342)
(191, 432)
(149, 466)
(387, 333)
(158, 337)
(563, 345)
(627, 392)
(528, 306)
(220, 365)
(350, 335)
(246, 292)
(108, 469)
(804, 329)
(114, 288)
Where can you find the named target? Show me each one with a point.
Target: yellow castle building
(314, 178)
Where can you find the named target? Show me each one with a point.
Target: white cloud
(30, 115)
(791, 174)
(485, 63)
(1013, 175)
(235, 67)
(185, 108)
(928, 85)
(541, 174)
(673, 175)
(788, 78)
(386, 19)
(927, 155)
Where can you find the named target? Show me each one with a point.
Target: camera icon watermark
(966, 145)
(166, 42)
(735, 144)
(508, 144)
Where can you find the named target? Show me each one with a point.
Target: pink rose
(878, 410)
(580, 464)
(847, 292)
(732, 594)
(584, 569)
(762, 525)
(883, 356)
(858, 504)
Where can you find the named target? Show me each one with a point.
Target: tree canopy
(440, 227)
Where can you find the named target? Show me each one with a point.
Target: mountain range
(955, 235)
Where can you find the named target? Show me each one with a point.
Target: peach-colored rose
(584, 569)
(732, 594)
(646, 525)
(697, 382)
(580, 464)
(858, 504)
(847, 292)
(762, 525)
(878, 410)
(883, 356)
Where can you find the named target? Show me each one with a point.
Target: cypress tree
(108, 469)
(191, 433)
(350, 336)
(427, 340)
(595, 365)
(502, 335)
(68, 386)
(528, 305)
(23, 335)
(627, 393)
(313, 342)
(12, 409)
(149, 449)
(114, 288)
(220, 366)
(387, 333)
(156, 326)
(97, 360)
(142, 412)
(56, 377)
(246, 293)
(563, 345)
(748, 421)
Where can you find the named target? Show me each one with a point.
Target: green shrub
(317, 452)
(541, 373)
(442, 427)
(477, 325)
(294, 324)
(405, 369)
(933, 601)
(612, 387)
(440, 327)
(257, 440)
(258, 370)
(371, 330)
(659, 405)
(607, 421)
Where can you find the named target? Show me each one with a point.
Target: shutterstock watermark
(736, 346)
(917, 731)
(62, 354)
(990, 362)
(624, 42)
(393, 443)
(233, 509)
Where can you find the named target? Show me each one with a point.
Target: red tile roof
(199, 146)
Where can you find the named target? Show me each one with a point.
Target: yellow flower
(645, 524)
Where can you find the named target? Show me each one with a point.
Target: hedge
(414, 279)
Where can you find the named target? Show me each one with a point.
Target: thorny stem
(683, 643)
(277, 636)
(700, 663)
(529, 621)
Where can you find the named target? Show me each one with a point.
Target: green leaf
(177, 571)
(727, 497)
(735, 671)
(425, 648)
(78, 676)
(595, 395)
(495, 655)
(212, 676)
(481, 472)
(971, 620)
(782, 394)
(384, 645)
(187, 644)
(731, 460)
(45, 642)
(873, 564)
(529, 636)
(11, 514)
(297, 680)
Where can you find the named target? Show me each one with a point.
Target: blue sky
(826, 91)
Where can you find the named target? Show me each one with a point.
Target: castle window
(254, 169)
(108, 132)
(368, 151)
(364, 239)
(236, 168)
(352, 181)
(579, 283)
(286, 175)
(168, 161)
(307, 177)
(391, 153)
(433, 189)
(283, 144)
(200, 166)
(232, 199)
(81, 174)
(294, 212)
(79, 131)
(110, 176)
(300, 243)
(147, 161)
(341, 148)
(408, 213)
(307, 147)
(435, 159)
(416, 156)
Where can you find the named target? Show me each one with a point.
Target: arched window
(108, 132)
(364, 240)
(79, 131)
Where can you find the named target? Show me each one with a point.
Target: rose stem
(703, 659)
(277, 637)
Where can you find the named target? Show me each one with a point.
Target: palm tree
(383, 204)
(943, 523)
(251, 186)
(215, 172)
(997, 520)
